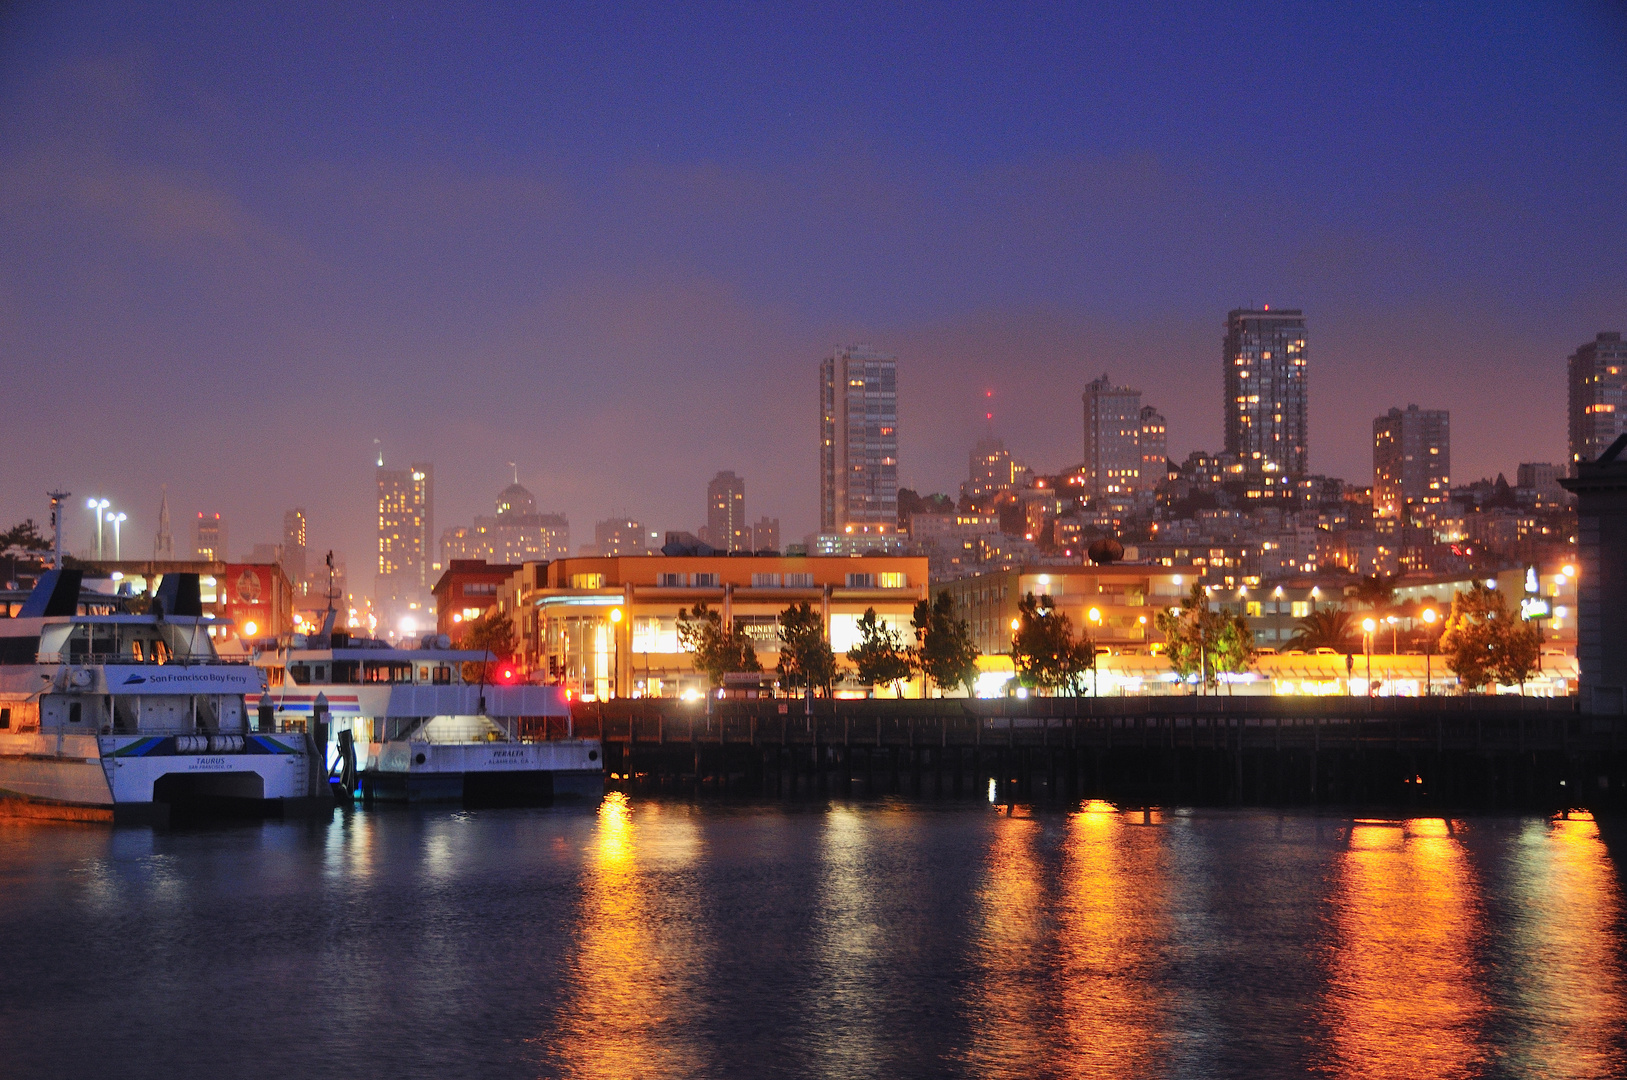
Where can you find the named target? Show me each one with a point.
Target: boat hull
(488, 773)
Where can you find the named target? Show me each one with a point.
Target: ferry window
(76, 712)
(346, 672)
(423, 674)
(135, 650)
(321, 673)
(5, 718)
(443, 675)
(300, 673)
(274, 676)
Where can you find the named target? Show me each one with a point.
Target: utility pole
(57, 498)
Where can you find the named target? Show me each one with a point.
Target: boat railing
(95, 659)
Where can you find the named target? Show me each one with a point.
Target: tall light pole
(1096, 620)
(1368, 625)
(98, 506)
(117, 520)
(57, 499)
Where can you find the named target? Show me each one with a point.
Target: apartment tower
(1266, 399)
(858, 439)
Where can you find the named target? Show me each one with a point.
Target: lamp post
(1368, 625)
(1429, 616)
(98, 506)
(1395, 634)
(1096, 619)
(117, 520)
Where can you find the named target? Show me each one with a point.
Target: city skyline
(992, 228)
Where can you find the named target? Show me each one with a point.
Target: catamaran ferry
(429, 723)
(126, 717)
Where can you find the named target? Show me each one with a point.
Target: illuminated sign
(1534, 607)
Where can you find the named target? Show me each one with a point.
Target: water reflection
(624, 1012)
(1113, 919)
(1011, 1008)
(1567, 910)
(1405, 997)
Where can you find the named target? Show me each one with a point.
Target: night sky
(239, 243)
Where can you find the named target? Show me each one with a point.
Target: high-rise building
(1112, 440)
(992, 470)
(765, 535)
(295, 539)
(209, 538)
(163, 542)
(519, 533)
(1541, 478)
(858, 433)
(623, 536)
(406, 520)
(726, 526)
(1154, 447)
(1266, 399)
(1598, 396)
(1412, 459)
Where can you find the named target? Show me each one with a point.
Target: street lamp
(1429, 616)
(98, 506)
(1395, 634)
(1096, 618)
(1368, 625)
(117, 520)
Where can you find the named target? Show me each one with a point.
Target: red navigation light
(508, 675)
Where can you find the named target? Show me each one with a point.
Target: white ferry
(429, 723)
(126, 717)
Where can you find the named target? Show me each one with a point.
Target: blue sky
(238, 243)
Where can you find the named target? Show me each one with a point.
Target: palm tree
(1374, 590)
(1328, 628)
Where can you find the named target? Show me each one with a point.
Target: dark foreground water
(648, 938)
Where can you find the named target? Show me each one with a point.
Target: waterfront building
(1115, 604)
(465, 591)
(858, 433)
(1600, 485)
(1266, 403)
(1412, 460)
(607, 627)
(295, 538)
(881, 538)
(209, 537)
(1597, 399)
(1112, 440)
(726, 526)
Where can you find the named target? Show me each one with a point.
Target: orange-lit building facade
(608, 627)
(466, 590)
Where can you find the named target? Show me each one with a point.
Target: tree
(26, 536)
(1374, 590)
(494, 633)
(1469, 641)
(1517, 654)
(1205, 643)
(717, 652)
(805, 656)
(1044, 650)
(943, 644)
(1328, 628)
(881, 656)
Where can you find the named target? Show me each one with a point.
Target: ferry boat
(429, 722)
(109, 715)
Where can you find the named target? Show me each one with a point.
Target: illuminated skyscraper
(1266, 399)
(406, 519)
(1154, 447)
(209, 538)
(726, 526)
(1598, 397)
(1412, 459)
(294, 541)
(858, 433)
(1112, 440)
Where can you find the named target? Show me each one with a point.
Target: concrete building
(726, 525)
(1112, 440)
(608, 627)
(517, 533)
(858, 433)
(624, 536)
(1597, 382)
(465, 591)
(765, 535)
(1539, 481)
(992, 470)
(209, 538)
(295, 539)
(1153, 442)
(406, 522)
(1266, 402)
(1412, 460)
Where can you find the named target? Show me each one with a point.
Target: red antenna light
(988, 416)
